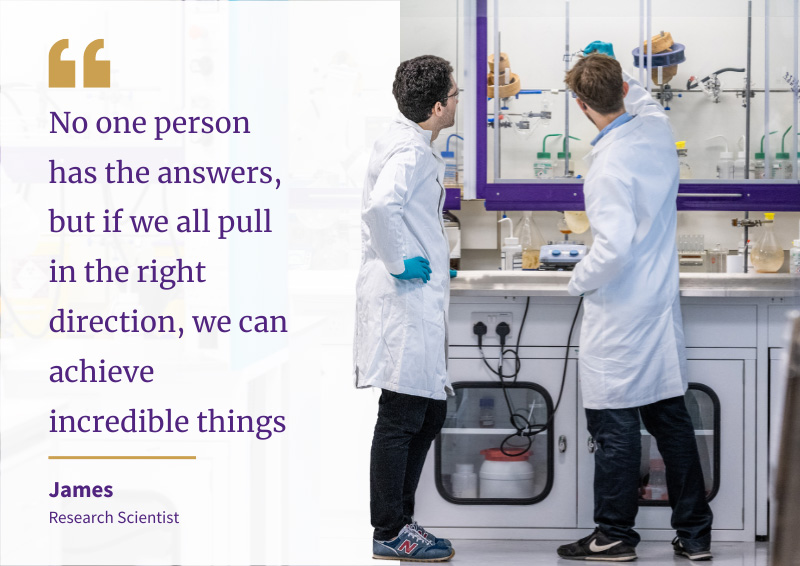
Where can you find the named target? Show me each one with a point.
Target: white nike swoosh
(594, 547)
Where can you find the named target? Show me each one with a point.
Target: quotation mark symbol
(96, 74)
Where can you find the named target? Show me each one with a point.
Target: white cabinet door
(733, 382)
(557, 509)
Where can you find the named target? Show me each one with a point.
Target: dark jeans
(406, 426)
(616, 470)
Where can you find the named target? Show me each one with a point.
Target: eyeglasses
(455, 94)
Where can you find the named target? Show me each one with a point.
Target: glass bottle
(767, 254)
(683, 163)
(564, 228)
(717, 259)
(531, 241)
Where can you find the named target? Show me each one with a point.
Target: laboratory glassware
(717, 259)
(531, 241)
(767, 254)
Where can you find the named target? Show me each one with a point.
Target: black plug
(479, 329)
(503, 330)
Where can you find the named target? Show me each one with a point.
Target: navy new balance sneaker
(411, 546)
(597, 546)
(430, 536)
(689, 551)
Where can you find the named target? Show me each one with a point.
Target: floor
(540, 553)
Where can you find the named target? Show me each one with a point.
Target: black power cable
(524, 428)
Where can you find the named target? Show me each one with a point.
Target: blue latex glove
(416, 268)
(600, 47)
(453, 273)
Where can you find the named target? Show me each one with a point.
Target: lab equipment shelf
(505, 431)
(768, 196)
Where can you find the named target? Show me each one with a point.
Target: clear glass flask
(531, 240)
(767, 254)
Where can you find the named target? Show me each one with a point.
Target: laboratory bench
(736, 328)
(554, 283)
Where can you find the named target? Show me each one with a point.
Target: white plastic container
(725, 165)
(511, 252)
(465, 481)
(543, 166)
(506, 477)
(794, 258)
(738, 165)
(511, 255)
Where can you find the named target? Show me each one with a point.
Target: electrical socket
(491, 320)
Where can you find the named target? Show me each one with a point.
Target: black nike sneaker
(597, 546)
(690, 552)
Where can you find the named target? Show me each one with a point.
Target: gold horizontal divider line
(122, 457)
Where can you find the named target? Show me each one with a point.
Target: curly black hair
(419, 84)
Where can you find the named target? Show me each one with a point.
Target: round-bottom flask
(767, 254)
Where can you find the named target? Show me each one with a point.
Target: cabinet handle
(562, 443)
(590, 443)
(711, 195)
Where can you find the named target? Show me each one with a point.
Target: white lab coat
(631, 344)
(401, 325)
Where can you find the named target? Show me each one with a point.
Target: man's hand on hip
(416, 268)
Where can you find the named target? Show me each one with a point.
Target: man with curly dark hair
(403, 293)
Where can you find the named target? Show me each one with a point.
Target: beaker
(717, 259)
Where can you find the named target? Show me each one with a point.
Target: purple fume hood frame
(772, 196)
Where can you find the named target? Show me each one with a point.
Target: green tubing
(762, 139)
(783, 139)
(545, 141)
(564, 144)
